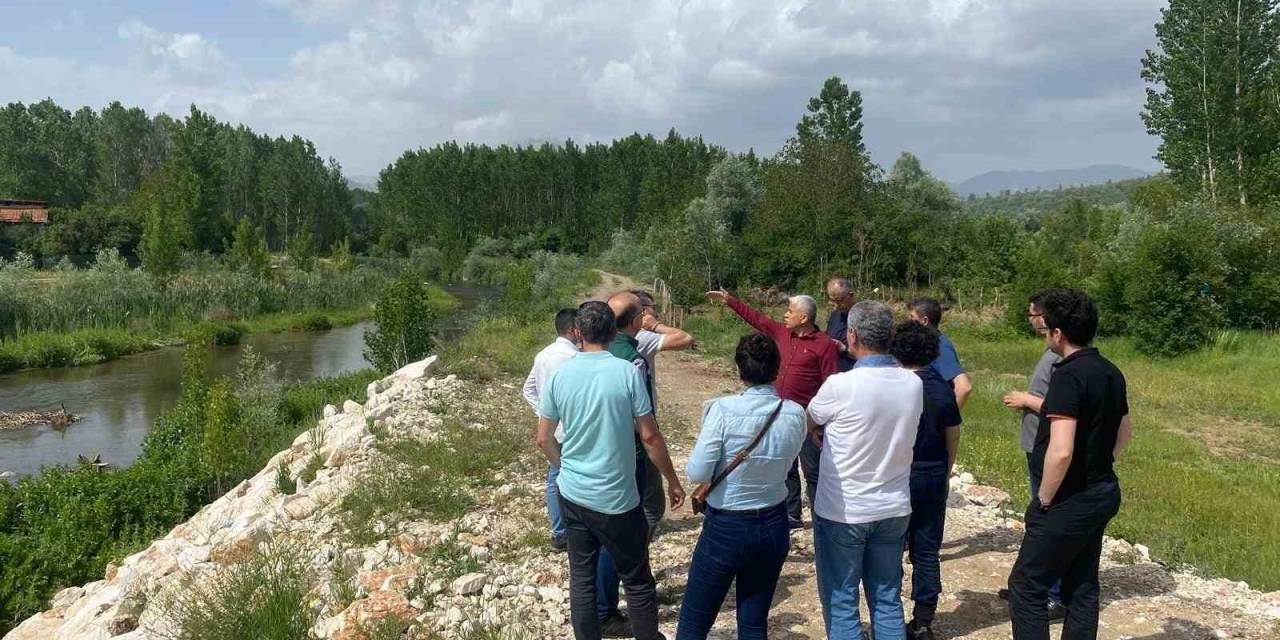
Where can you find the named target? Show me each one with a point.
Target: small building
(18, 211)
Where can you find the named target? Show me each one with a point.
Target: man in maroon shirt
(809, 356)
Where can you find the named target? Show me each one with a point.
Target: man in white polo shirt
(866, 420)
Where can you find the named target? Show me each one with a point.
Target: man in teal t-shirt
(602, 401)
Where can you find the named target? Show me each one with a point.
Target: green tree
(834, 115)
(1213, 82)
(248, 251)
(403, 322)
(302, 250)
(1175, 277)
(168, 204)
(223, 443)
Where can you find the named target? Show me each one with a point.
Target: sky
(967, 85)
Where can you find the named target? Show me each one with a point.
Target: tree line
(120, 178)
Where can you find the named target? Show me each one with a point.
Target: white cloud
(969, 85)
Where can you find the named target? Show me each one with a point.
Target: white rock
(551, 594)
(330, 411)
(470, 584)
(455, 615)
(416, 370)
(351, 407)
(1143, 551)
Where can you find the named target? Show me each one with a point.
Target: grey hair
(842, 283)
(872, 322)
(807, 306)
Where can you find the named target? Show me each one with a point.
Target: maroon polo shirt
(807, 360)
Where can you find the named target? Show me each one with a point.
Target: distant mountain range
(368, 183)
(995, 182)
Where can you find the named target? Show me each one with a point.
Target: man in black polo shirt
(1084, 426)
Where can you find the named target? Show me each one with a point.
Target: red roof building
(18, 211)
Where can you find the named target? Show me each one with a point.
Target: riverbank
(52, 349)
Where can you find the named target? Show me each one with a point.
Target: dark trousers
(1063, 543)
(747, 547)
(929, 487)
(606, 573)
(1055, 592)
(623, 536)
(653, 497)
(809, 460)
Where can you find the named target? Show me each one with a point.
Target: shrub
(218, 334)
(1037, 267)
(1174, 277)
(313, 322)
(265, 597)
(403, 322)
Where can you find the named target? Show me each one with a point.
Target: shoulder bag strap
(746, 451)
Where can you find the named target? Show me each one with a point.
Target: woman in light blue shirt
(744, 533)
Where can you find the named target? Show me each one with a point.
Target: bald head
(627, 309)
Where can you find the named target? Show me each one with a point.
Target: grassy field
(1201, 480)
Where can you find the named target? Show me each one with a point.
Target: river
(118, 401)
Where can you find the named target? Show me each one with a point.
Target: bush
(216, 334)
(266, 597)
(1174, 278)
(403, 321)
(1037, 267)
(313, 322)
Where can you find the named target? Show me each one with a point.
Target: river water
(118, 401)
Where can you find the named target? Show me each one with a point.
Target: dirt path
(610, 283)
(1142, 600)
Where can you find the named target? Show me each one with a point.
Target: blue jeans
(929, 488)
(553, 503)
(607, 580)
(1055, 592)
(747, 547)
(869, 554)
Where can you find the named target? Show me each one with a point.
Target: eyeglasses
(1035, 315)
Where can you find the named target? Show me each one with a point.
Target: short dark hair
(564, 320)
(646, 298)
(914, 345)
(596, 322)
(928, 308)
(1072, 312)
(757, 358)
(1037, 298)
(629, 314)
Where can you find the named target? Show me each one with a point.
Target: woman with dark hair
(741, 460)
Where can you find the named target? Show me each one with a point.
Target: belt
(750, 513)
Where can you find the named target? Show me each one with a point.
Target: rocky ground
(490, 574)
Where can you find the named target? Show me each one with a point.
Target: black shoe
(1057, 610)
(616, 626)
(794, 524)
(1004, 594)
(917, 631)
(559, 545)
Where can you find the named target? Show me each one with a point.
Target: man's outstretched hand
(719, 295)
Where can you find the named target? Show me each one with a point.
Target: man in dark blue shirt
(840, 294)
(928, 311)
(937, 439)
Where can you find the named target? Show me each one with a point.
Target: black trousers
(625, 536)
(653, 496)
(1063, 543)
(809, 460)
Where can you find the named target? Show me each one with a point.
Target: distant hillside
(996, 182)
(1033, 204)
(368, 183)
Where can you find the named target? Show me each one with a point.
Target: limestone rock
(470, 584)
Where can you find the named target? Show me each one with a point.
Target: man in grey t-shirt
(1029, 402)
(653, 338)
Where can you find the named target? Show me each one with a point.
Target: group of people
(868, 413)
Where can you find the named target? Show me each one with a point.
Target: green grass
(438, 478)
(497, 346)
(1201, 480)
(94, 345)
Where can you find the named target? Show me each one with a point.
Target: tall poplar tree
(1213, 83)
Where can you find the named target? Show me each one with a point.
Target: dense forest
(109, 176)
(1032, 204)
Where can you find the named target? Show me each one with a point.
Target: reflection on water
(121, 399)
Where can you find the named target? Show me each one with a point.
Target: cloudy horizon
(968, 86)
